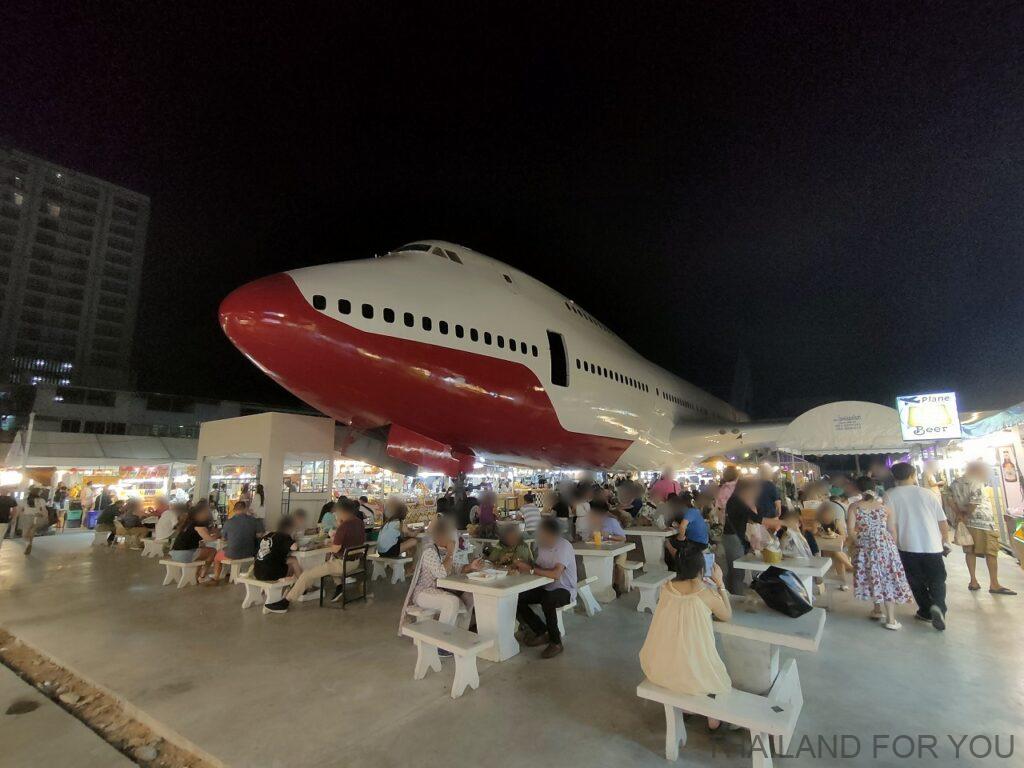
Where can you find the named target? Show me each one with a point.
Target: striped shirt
(531, 517)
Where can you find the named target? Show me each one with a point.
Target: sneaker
(552, 650)
(281, 606)
(894, 626)
(339, 592)
(938, 620)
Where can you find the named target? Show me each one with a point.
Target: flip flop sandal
(1002, 591)
(974, 589)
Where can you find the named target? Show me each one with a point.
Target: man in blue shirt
(689, 524)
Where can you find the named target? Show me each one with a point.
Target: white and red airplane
(464, 358)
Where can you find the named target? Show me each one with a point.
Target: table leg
(808, 582)
(496, 619)
(601, 567)
(654, 548)
(752, 665)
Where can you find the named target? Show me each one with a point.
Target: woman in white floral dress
(878, 571)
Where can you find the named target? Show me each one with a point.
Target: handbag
(961, 536)
(782, 591)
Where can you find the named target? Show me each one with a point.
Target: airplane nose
(249, 315)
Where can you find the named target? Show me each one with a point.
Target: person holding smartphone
(679, 652)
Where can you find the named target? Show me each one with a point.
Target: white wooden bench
(153, 547)
(586, 597)
(429, 635)
(559, 611)
(770, 719)
(381, 564)
(272, 591)
(422, 614)
(237, 568)
(649, 585)
(185, 573)
(629, 569)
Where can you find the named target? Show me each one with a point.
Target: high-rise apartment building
(71, 250)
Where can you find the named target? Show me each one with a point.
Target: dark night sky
(834, 189)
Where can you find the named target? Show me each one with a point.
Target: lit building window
(53, 209)
(18, 198)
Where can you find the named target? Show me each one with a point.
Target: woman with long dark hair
(189, 545)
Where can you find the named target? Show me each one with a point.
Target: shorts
(395, 551)
(183, 555)
(985, 542)
(221, 554)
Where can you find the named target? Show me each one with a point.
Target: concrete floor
(47, 735)
(326, 687)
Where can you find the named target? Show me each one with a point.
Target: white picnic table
(652, 544)
(495, 603)
(750, 642)
(805, 568)
(599, 561)
(311, 558)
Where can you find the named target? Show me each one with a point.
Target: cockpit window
(454, 256)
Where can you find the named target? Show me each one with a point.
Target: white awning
(70, 449)
(845, 427)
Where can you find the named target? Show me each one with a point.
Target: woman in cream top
(679, 652)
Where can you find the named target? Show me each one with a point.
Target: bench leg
(169, 576)
(465, 674)
(252, 594)
(627, 579)
(590, 605)
(675, 732)
(760, 749)
(185, 578)
(397, 573)
(379, 571)
(648, 600)
(426, 658)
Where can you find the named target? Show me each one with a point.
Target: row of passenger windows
(427, 324)
(684, 403)
(582, 313)
(600, 370)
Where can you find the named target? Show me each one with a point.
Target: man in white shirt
(921, 530)
(168, 521)
(530, 513)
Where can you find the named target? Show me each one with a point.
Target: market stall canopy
(992, 422)
(845, 427)
(70, 449)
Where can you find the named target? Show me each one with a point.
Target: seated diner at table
(679, 652)
(556, 560)
(690, 526)
(792, 540)
(195, 531)
(600, 518)
(438, 562)
(274, 558)
(511, 547)
(239, 534)
(350, 532)
(395, 538)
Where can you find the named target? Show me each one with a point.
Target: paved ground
(326, 687)
(47, 735)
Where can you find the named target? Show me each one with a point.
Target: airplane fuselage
(467, 351)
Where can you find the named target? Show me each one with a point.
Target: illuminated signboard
(929, 417)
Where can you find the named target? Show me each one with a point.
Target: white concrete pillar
(202, 486)
(271, 474)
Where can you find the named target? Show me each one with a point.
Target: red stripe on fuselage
(473, 402)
